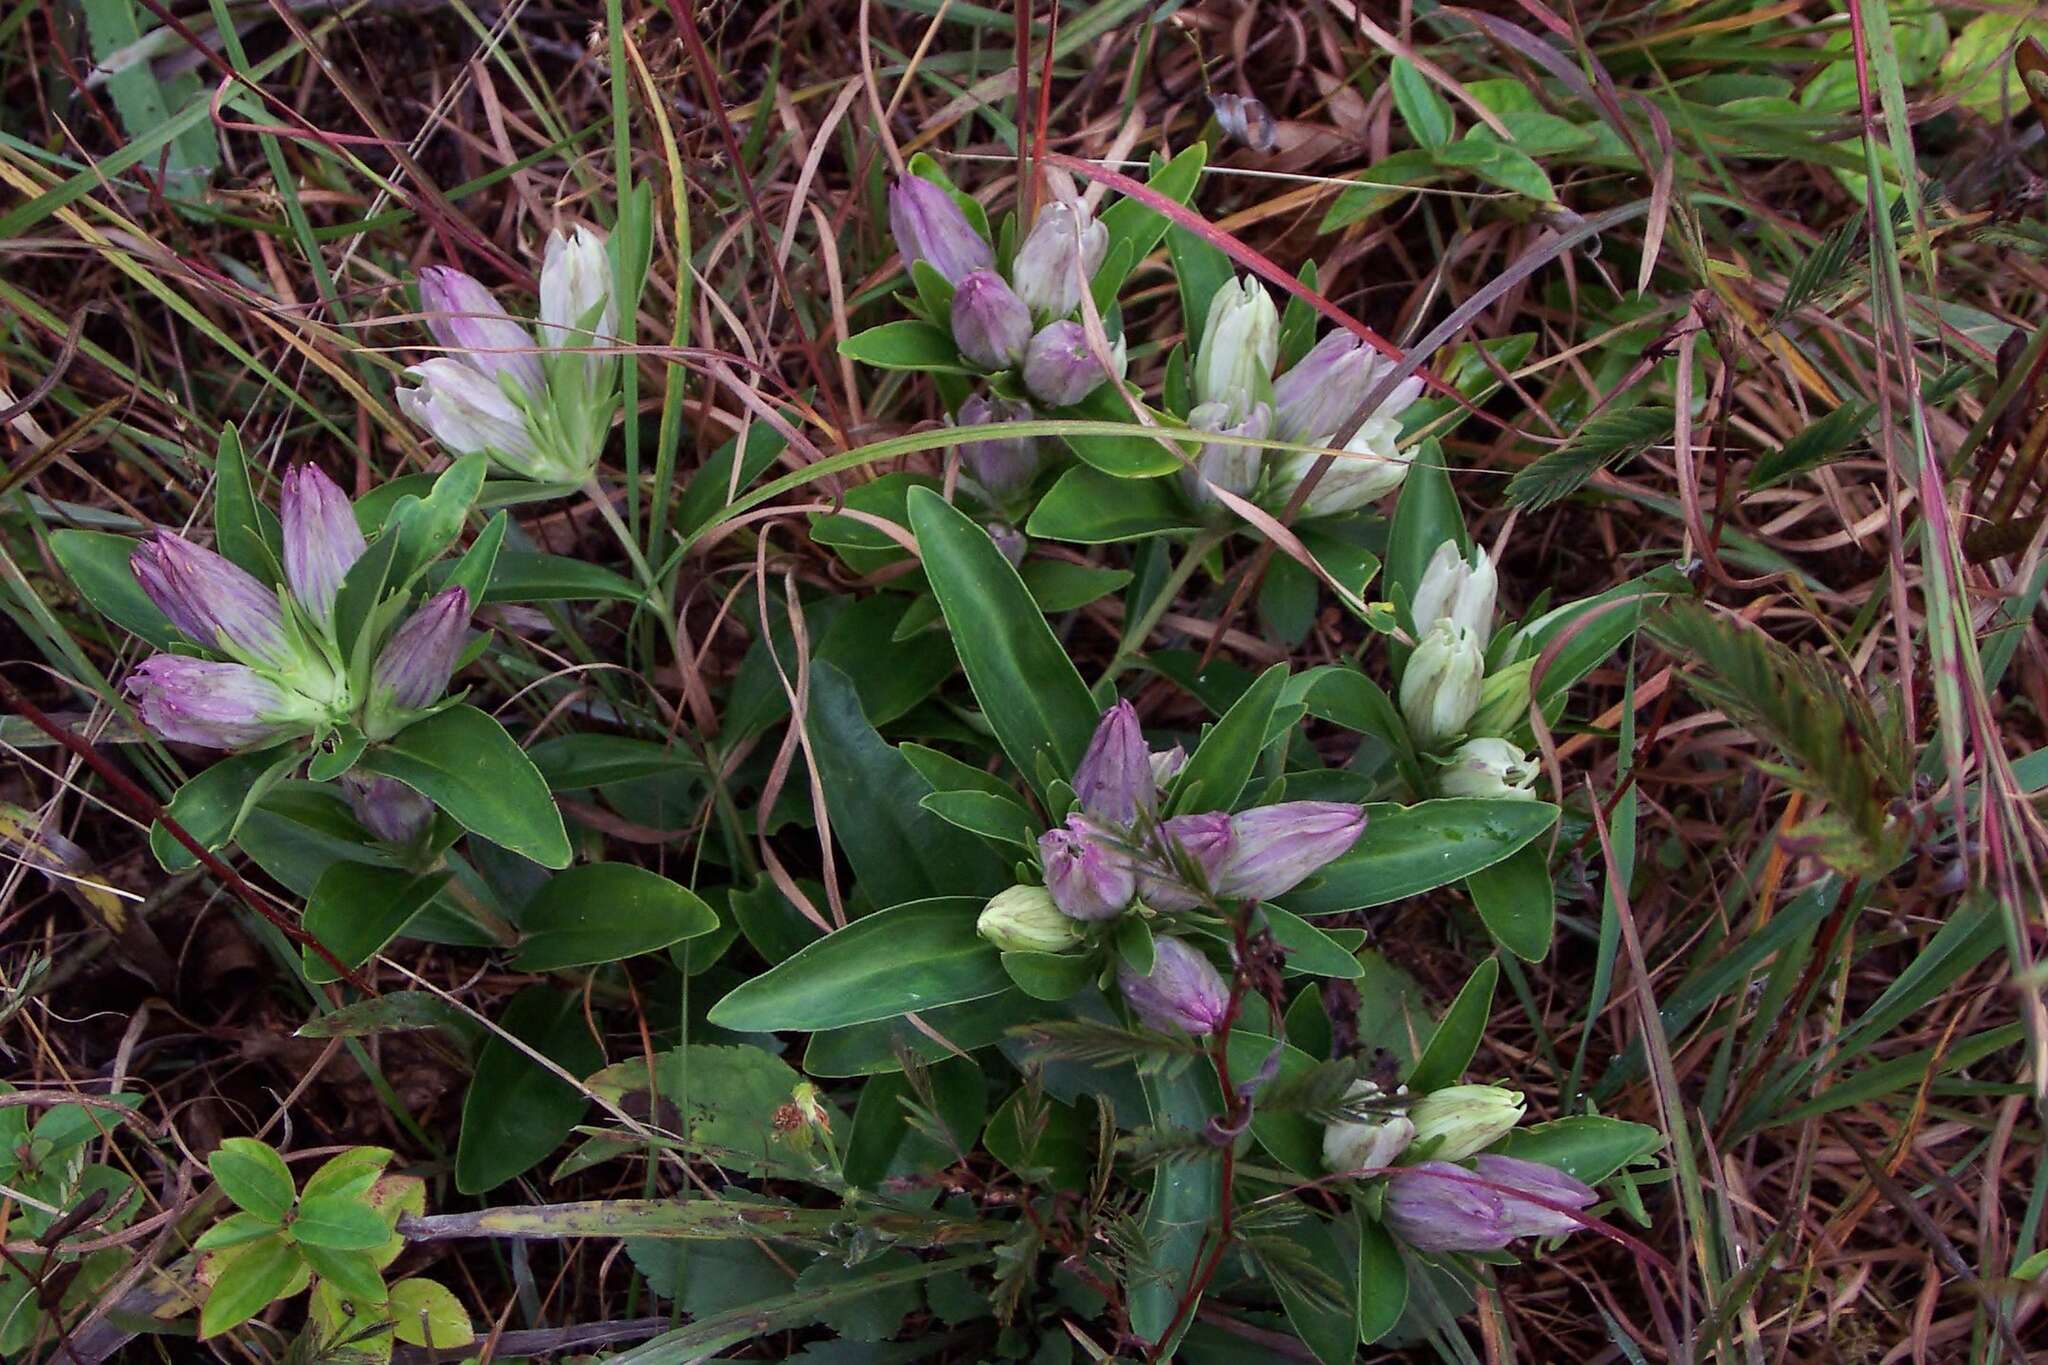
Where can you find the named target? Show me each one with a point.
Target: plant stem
(645, 574)
(1140, 628)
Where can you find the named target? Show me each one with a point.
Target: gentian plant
(1088, 978)
(539, 406)
(323, 641)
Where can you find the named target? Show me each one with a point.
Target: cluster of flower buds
(1237, 396)
(1450, 1124)
(1435, 1206)
(283, 674)
(539, 407)
(1115, 854)
(1023, 323)
(1114, 850)
(1453, 706)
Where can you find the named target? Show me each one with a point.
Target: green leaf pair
(283, 1234)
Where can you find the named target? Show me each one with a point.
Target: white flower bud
(1492, 768)
(1025, 920)
(1371, 1142)
(1440, 688)
(576, 278)
(1452, 588)
(1468, 1118)
(1240, 346)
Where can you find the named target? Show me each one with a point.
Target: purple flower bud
(1183, 992)
(1003, 467)
(387, 807)
(215, 602)
(1060, 370)
(1166, 765)
(1434, 1206)
(414, 668)
(516, 620)
(1550, 1193)
(222, 706)
(1323, 388)
(1009, 540)
(930, 227)
(1089, 876)
(1114, 781)
(1065, 235)
(464, 317)
(1229, 465)
(1189, 854)
(991, 325)
(321, 539)
(1275, 848)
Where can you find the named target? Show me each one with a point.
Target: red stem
(149, 809)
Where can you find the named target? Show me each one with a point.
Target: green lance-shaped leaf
(465, 763)
(1028, 688)
(911, 957)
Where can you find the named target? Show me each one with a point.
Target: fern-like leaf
(1604, 440)
(1827, 266)
(1838, 747)
(1822, 270)
(1823, 440)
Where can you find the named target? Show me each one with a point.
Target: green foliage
(1602, 442)
(336, 1232)
(1839, 747)
(683, 951)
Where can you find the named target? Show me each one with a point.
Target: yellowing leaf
(424, 1313)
